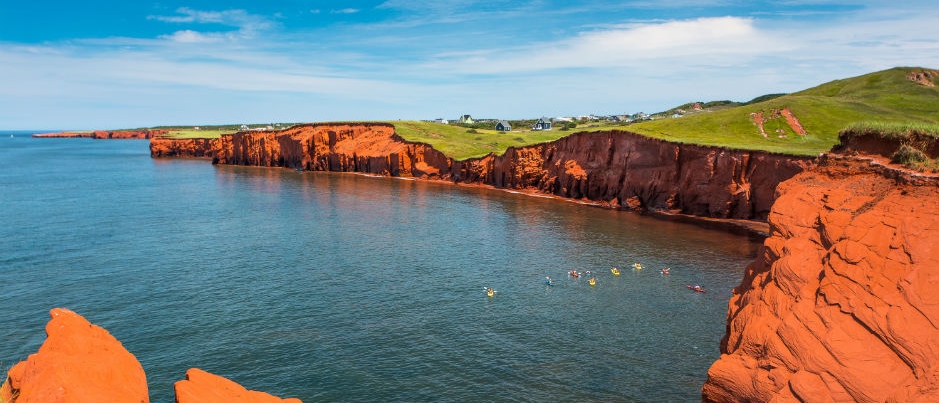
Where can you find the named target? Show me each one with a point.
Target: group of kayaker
(593, 279)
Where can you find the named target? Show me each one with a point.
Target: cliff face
(841, 304)
(182, 148)
(356, 147)
(626, 169)
(142, 134)
(618, 169)
(81, 362)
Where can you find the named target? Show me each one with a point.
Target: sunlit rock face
(842, 303)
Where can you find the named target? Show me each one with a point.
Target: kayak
(549, 282)
(637, 266)
(695, 288)
(490, 293)
(593, 281)
(615, 271)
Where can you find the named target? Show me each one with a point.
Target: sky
(74, 65)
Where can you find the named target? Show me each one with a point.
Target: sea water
(346, 288)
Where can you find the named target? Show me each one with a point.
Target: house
(441, 121)
(542, 124)
(503, 126)
(466, 119)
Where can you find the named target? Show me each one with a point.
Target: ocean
(335, 287)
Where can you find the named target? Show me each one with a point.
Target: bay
(341, 287)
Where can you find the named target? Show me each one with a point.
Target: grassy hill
(884, 96)
(887, 97)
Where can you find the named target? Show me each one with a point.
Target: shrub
(471, 131)
(909, 157)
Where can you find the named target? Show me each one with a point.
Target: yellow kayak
(490, 292)
(593, 281)
(637, 266)
(615, 271)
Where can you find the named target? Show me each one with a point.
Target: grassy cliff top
(884, 96)
(896, 96)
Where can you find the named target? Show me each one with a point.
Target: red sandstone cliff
(142, 134)
(623, 168)
(80, 362)
(613, 168)
(841, 305)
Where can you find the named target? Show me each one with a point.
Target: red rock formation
(78, 362)
(611, 168)
(202, 387)
(621, 168)
(841, 304)
(353, 147)
(141, 134)
(923, 77)
(182, 148)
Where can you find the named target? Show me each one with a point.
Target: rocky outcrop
(615, 168)
(201, 387)
(81, 362)
(841, 304)
(142, 134)
(183, 148)
(78, 362)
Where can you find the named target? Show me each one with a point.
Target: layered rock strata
(841, 304)
(81, 362)
(616, 168)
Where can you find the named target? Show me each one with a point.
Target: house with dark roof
(466, 119)
(503, 126)
(542, 124)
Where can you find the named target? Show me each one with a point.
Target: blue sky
(104, 64)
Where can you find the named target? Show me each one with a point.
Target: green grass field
(886, 97)
(461, 143)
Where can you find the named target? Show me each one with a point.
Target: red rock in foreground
(78, 362)
(842, 303)
(201, 387)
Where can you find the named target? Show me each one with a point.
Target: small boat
(593, 281)
(490, 292)
(548, 281)
(615, 271)
(637, 266)
(666, 271)
(696, 288)
(573, 273)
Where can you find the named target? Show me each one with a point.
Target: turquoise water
(345, 288)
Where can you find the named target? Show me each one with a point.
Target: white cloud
(698, 41)
(345, 11)
(189, 36)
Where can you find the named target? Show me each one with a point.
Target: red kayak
(696, 288)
